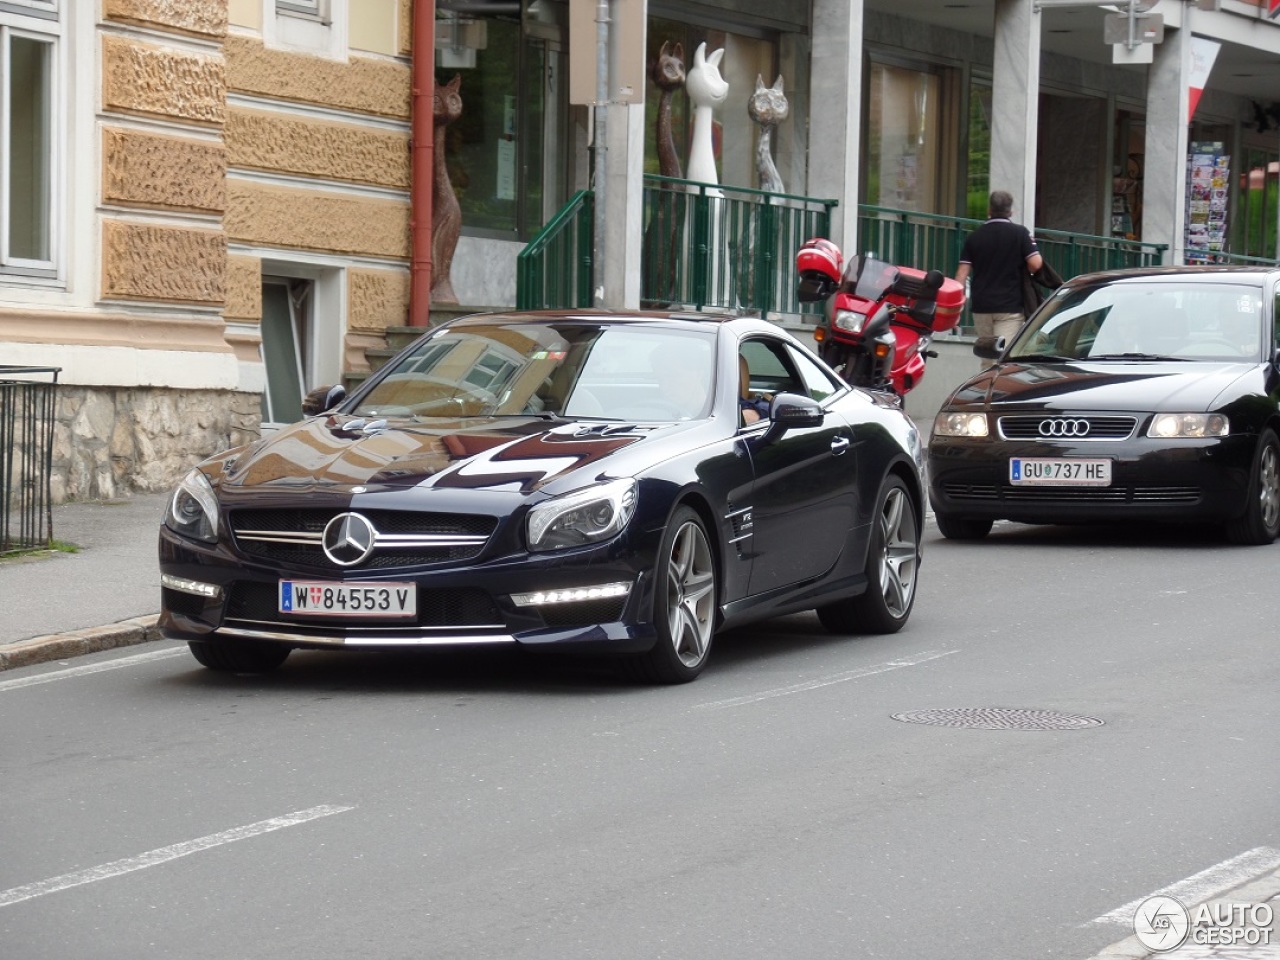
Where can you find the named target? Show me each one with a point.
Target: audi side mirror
(989, 348)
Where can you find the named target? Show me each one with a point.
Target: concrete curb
(1259, 890)
(59, 646)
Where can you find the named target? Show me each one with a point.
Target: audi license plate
(1059, 472)
(328, 599)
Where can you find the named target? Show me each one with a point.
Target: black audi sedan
(1147, 394)
(588, 481)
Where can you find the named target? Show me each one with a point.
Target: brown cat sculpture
(446, 214)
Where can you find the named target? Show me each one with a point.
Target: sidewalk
(107, 594)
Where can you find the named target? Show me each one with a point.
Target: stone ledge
(76, 643)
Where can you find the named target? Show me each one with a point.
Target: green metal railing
(724, 247)
(1240, 260)
(932, 242)
(28, 397)
(704, 246)
(554, 269)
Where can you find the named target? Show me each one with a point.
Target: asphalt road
(478, 805)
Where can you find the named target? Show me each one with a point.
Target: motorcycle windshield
(867, 278)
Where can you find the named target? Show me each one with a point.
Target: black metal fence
(28, 398)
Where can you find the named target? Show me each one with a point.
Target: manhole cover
(999, 718)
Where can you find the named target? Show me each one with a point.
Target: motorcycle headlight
(584, 516)
(850, 320)
(193, 511)
(960, 425)
(1191, 425)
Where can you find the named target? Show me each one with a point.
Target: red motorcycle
(883, 318)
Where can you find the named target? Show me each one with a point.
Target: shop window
(904, 129)
(978, 167)
(734, 134)
(1254, 233)
(29, 143)
(513, 110)
(1127, 167)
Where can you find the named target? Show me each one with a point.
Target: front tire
(239, 656)
(684, 604)
(893, 560)
(1260, 522)
(962, 528)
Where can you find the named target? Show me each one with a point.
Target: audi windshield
(1149, 319)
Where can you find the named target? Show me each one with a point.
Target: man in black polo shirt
(998, 255)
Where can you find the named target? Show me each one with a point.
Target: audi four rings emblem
(349, 539)
(1064, 428)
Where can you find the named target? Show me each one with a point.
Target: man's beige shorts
(998, 324)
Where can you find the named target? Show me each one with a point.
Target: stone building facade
(202, 154)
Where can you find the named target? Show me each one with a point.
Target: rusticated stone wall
(201, 17)
(160, 171)
(406, 27)
(364, 84)
(333, 151)
(306, 220)
(377, 299)
(244, 289)
(139, 440)
(149, 262)
(160, 81)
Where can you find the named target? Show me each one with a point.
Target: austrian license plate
(328, 599)
(1059, 472)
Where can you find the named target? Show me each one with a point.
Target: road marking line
(89, 668)
(924, 657)
(153, 858)
(1206, 884)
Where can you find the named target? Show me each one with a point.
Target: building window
(513, 110)
(978, 167)
(734, 134)
(904, 131)
(28, 144)
(306, 8)
(1254, 229)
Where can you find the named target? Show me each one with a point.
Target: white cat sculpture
(707, 90)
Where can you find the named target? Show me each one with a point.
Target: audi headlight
(960, 425)
(584, 516)
(193, 511)
(850, 320)
(1168, 426)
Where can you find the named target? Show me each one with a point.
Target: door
(285, 348)
(804, 499)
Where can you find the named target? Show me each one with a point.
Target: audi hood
(1111, 385)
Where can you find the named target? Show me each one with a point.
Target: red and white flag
(1273, 8)
(1203, 53)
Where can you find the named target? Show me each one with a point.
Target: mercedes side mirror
(989, 348)
(323, 398)
(791, 411)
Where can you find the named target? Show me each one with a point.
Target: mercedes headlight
(960, 425)
(1168, 426)
(850, 320)
(584, 516)
(193, 511)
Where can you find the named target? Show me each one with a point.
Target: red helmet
(819, 255)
